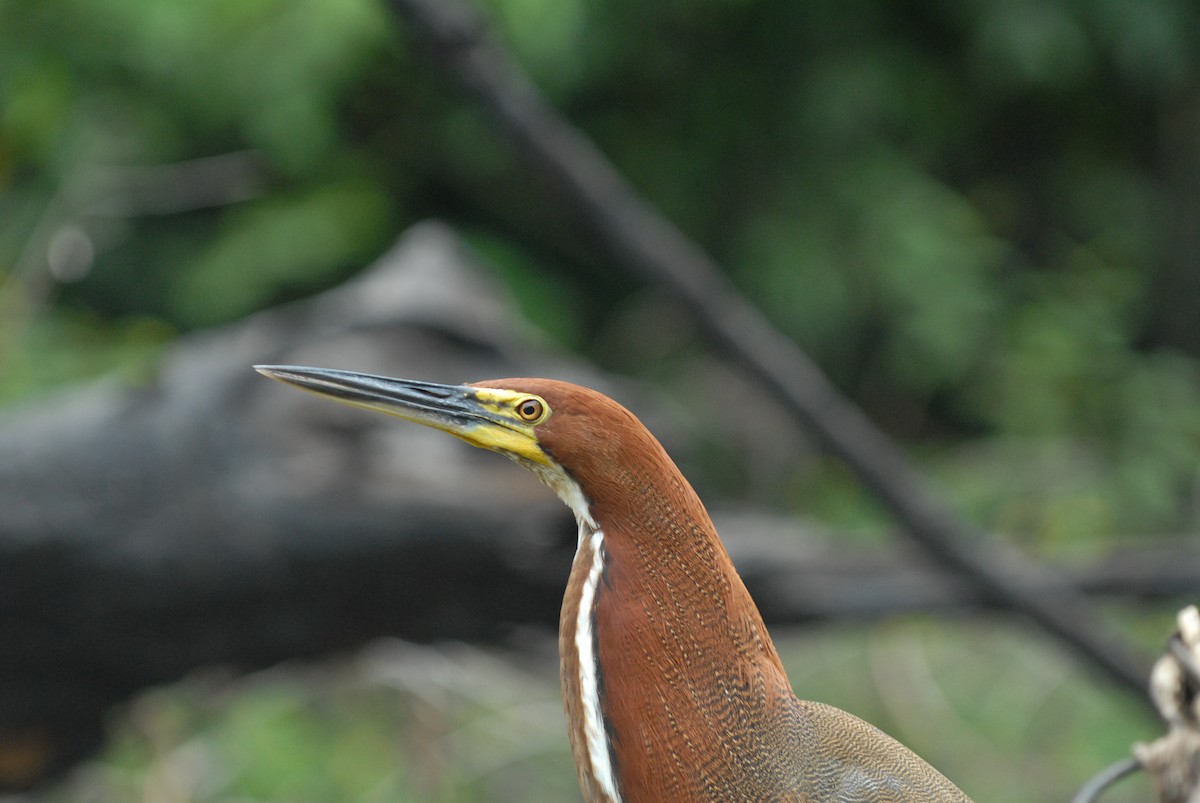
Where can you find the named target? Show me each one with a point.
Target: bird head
(563, 433)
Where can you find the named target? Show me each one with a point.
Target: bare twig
(1108, 776)
(172, 188)
(87, 214)
(1173, 760)
(640, 240)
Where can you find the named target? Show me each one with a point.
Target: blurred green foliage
(975, 215)
(979, 216)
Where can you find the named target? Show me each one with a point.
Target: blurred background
(981, 218)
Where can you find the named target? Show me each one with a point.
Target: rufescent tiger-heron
(672, 687)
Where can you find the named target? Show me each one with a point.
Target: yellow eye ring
(531, 409)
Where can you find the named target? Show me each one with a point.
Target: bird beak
(483, 417)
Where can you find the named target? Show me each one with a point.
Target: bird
(672, 688)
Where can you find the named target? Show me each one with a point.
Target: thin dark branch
(1092, 790)
(172, 188)
(879, 584)
(634, 236)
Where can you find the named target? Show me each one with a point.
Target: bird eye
(530, 409)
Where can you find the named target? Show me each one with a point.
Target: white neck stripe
(595, 736)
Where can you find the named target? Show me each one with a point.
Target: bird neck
(668, 579)
(654, 622)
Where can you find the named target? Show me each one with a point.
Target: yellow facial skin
(503, 430)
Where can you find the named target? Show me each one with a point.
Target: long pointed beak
(477, 415)
(450, 407)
